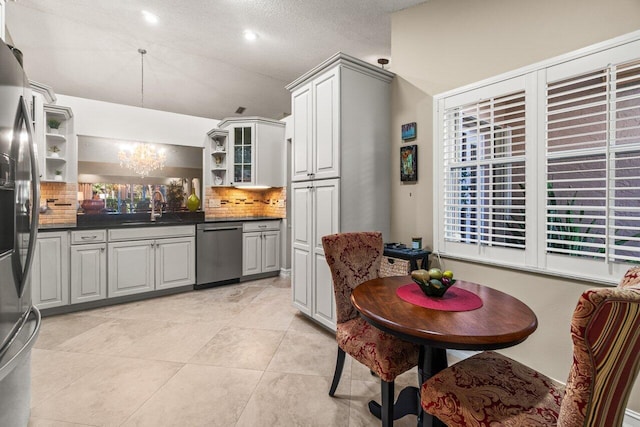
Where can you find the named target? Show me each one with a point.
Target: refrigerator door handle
(22, 271)
(9, 365)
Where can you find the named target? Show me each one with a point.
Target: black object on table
(397, 250)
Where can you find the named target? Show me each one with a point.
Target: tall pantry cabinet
(341, 180)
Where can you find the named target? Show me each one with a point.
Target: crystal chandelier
(142, 158)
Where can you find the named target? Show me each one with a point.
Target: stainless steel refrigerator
(19, 200)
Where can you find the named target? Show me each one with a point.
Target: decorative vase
(193, 202)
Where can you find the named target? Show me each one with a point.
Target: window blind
(593, 164)
(484, 171)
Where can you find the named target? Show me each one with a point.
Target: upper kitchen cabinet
(255, 151)
(216, 158)
(59, 145)
(338, 107)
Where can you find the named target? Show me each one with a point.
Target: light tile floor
(236, 355)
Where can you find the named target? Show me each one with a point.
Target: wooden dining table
(501, 321)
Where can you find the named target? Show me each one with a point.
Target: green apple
(435, 273)
(447, 274)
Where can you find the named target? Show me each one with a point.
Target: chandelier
(142, 158)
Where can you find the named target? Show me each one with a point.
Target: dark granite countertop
(114, 220)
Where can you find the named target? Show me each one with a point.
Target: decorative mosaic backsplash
(61, 200)
(238, 203)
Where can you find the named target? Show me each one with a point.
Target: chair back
(605, 329)
(631, 278)
(353, 259)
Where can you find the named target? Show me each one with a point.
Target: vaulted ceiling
(197, 59)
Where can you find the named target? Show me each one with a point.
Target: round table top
(501, 322)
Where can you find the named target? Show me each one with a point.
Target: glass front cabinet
(256, 151)
(243, 152)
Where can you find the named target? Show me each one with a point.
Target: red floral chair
(353, 259)
(491, 389)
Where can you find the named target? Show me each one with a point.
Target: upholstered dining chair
(353, 259)
(491, 389)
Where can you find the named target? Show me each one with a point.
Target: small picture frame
(409, 163)
(409, 131)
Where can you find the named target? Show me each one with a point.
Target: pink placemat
(455, 299)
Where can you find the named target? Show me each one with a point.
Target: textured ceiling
(198, 62)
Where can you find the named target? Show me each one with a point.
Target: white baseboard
(285, 272)
(631, 418)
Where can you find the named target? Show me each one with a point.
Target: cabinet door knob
(101, 249)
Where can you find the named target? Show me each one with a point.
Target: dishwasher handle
(220, 229)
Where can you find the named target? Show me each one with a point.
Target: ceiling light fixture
(142, 158)
(250, 35)
(150, 17)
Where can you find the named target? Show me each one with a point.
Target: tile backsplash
(61, 200)
(239, 203)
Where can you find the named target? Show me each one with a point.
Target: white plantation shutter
(593, 163)
(484, 165)
(540, 169)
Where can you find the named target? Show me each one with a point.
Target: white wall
(444, 44)
(117, 121)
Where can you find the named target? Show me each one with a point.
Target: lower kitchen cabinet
(261, 252)
(50, 270)
(88, 272)
(260, 247)
(175, 262)
(145, 265)
(131, 267)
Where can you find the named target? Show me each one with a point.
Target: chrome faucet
(160, 202)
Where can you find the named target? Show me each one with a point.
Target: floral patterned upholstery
(382, 353)
(353, 259)
(631, 278)
(490, 389)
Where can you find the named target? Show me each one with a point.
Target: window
(542, 170)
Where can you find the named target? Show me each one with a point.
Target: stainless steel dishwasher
(219, 253)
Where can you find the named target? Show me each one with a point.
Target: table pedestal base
(431, 361)
(407, 403)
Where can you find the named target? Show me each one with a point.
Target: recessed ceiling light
(150, 17)
(250, 35)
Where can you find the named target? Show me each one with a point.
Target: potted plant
(58, 176)
(54, 125)
(54, 151)
(175, 195)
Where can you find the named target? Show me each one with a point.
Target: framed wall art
(409, 163)
(409, 131)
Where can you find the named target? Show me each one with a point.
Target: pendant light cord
(142, 52)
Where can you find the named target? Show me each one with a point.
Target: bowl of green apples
(433, 282)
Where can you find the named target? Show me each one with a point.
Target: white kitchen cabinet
(216, 158)
(131, 267)
(341, 169)
(50, 270)
(316, 211)
(261, 247)
(60, 159)
(175, 261)
(316, 131)
(147, 259)
(255, 151)
(88, 272)
(88, 265)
